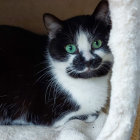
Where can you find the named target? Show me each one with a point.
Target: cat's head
(78, 46)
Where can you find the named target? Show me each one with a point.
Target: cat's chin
(102, 70)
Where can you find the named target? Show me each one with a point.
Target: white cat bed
(125, 46)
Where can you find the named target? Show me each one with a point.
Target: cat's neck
(92, 90)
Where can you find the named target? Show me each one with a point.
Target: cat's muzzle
(101, 69)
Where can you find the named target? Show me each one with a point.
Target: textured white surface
(73, 130)
(125, 45)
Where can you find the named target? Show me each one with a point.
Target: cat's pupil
(97, 43)
(70, 47)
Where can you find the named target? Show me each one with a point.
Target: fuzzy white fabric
(73, 130)
(125, 45)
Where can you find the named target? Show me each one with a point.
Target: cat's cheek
(60, 57)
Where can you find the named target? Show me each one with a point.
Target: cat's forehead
(83, 40)
(87, 24)
(84, 30)
(78, 23)
(83, 43)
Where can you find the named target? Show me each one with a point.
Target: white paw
(72, 135)
(73, 130)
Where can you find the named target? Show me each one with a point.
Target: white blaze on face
(105, 56)
(84, 44)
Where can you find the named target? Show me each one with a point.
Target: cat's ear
(52, 24)
(102, 12)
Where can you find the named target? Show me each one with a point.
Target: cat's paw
(86, 118)
(73, 130)
(72, 135)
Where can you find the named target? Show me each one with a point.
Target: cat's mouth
(102, 70)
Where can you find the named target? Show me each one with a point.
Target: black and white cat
(49, 80)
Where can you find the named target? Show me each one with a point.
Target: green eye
(97, 44)
(70, 48)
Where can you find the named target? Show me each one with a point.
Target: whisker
(46, 68)
(44, 62)
(47, 73)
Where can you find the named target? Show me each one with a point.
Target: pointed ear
(102, 12)
(52, 24)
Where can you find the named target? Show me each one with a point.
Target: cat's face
(79, 44)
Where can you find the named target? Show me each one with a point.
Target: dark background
(28, 13)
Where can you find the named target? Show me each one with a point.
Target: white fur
(103, 55)
(84, 46)
(91, 94)
(124, 42)
(21, 120)
(73, 130)
(83, 43)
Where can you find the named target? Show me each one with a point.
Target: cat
(51, 79)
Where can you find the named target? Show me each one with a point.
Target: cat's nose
(89, 63)
(94, 63)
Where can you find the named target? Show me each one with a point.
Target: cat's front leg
(72, 134)
(98, 125)
(86, 118)
(79, 130)
(74, 130)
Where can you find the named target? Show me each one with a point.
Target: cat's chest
(89, 94)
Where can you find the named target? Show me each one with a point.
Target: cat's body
(43, 84)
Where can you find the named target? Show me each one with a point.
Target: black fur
(24, 70)
(68, 32)
(22, 56)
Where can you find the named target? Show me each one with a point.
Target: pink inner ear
(51, 22)
(102, 11)
(52, 29)
(54, 26)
